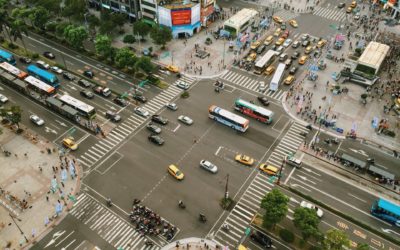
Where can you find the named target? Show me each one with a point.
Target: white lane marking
(357, 198)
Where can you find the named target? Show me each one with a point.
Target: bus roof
(11, 69)
(76, 103)
(278, 73)
(251, 106)
(261, 63)
(39, 84)
(229, 115)
(4, 53)
(389, 206)
(36, 70)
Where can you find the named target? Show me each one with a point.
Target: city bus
(43, 75)
(39, 86)
(84, 109)
(261, 114)
(13, 70)
(7, 57)
(228, 118)
(387, 211)
(264, 62)
(273, 86)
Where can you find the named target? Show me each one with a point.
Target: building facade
(129, 7)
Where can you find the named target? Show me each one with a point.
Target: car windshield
(178, 173)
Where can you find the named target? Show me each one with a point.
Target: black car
(295, 55)
(68, 76)
(261, 49)
(159, 119)
(49, 55)
(293, 70)
(88, 73)
(261, 239)
(87, 94)
(274, 47)
(305, 43)
(264, 100)
(156, 139)
(84, 83)
(341, 5)
(114, 117)
(26, 60)
(153, 128)
(120, 101)
(139, 98)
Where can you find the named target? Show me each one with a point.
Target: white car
(208, 166)
(279, 50)
(42, 65)
(287, 43)
(141, 111)
(172, 106)
(185, 119)
(3, 98)
(308, 205)
(357, 16)
(56, 69)
(36, 119)
(183, 85)
(262, 87)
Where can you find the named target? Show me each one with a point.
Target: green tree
(119, 20)
(51, 5)
(75, 35)
(93, 22)
(161, 35)
(13, 114)
(4, 22)
(129, 39)
(39, 16)
(60, 28)
(306, 220)
(275, 204)
(74, 9)
(144, 63)
(362, 246)
(106, 27)
(18, 28)
(336, 240)
(125, 57)
(103, 45)
(141, 28)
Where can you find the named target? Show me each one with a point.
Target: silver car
(172, 106)
(56, 69)
(183, 85)
(208, 166)
(3, 98)
(36, 119)
(185, 119)
(141, 111)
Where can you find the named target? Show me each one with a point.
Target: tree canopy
(336, 240)
(306, 220)
(75, 35)
(275, 204)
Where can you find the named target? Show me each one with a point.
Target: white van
(293, 161)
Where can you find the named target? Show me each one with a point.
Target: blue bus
(386, 211)
(43, 75)
(7, 57)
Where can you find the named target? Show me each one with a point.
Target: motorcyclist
(180, 204)
(109, 202)
(202, 217)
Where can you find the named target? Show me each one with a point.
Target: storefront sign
(181, 17)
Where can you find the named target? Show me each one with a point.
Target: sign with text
(181, 16)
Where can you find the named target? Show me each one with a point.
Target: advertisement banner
(208, 2)
(181, 16)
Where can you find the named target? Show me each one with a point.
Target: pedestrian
(46, 221)
(40, 169)
(33, 233)
(47, 198)
(54, 169)
(62, 184)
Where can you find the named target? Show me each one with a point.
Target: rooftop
(374, 54)
(241, 17)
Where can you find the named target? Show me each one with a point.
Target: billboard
(181, 16)
(196, 14)
(164, 16)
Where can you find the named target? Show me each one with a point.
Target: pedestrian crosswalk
(252, 84)
(249, 203)
(129, 125)
(286, 15)
(329, 13)
(108, 225)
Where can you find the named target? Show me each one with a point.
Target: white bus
(13, 70)
(83, 108)
(264, 62)
(228, 118)
(273, 86)
(39, 86)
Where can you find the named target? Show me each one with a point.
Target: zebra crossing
(332, 14)
(251, 84)
(249, 203)
(129, 124)
(286, 15)
(108, 225)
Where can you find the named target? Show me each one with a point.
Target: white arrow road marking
(61, 123)
(55, 237)
(390, 231)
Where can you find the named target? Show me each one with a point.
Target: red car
(285, 34)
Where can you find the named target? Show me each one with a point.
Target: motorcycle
(303, 134)
(109, 202)
(181, 205)
(202, 218)
(226, 227)
(309, 127)
(149, 243)
(136, 201)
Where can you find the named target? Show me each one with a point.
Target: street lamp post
(20, 230)
(223, 56)
(278, 182)
(226, 187)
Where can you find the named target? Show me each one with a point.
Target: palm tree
(18, 28)
(4, 22)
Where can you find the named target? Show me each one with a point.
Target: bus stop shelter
(354, 161)
(385, 174)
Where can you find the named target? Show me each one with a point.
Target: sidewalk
(25, 181)
(192, 243)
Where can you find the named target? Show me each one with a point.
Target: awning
(353, 160)
(381, 172)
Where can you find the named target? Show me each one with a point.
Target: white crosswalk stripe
(249, 203)
(251, 84)
(286, 15)
(130, 124)
(329, 13)
(108, 225)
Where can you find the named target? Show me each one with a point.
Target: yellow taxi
(280, 41)
(173, 69)
(255, 45)
(244, 159)
(241, 247)
(353, 4)
(269, 70)
(70, 143)
(252, 57)
(303, 60)
(349, 9)
(268, 169)
(277, 19)
(278, 32)
(289, 79)
(308, 49)
(269, 40)
(321, 43)
(175, 172)
(293, 23)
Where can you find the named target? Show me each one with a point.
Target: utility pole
(223, 55)
(172, 58)
(20, 230)
(226, 187)
(278, 182)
